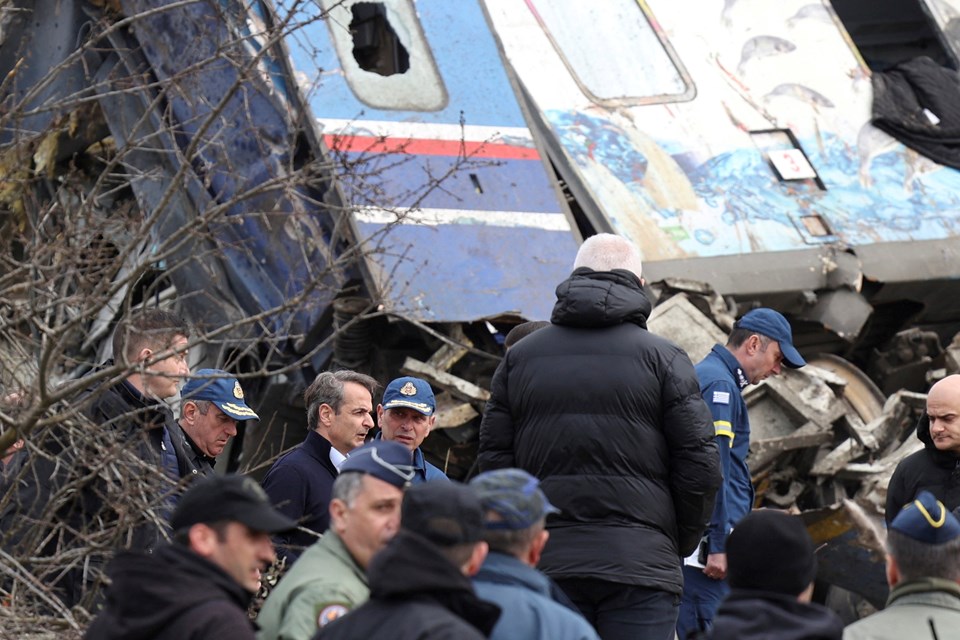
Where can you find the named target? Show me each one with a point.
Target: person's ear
(203, 540)
(432, 420)
(338, 515)
(893, 571)
(536, 547)
(325, 414)
(472, 566)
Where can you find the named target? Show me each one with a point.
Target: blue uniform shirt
(424, 470)
(721, 383)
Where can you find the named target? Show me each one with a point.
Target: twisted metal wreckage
(418, 174)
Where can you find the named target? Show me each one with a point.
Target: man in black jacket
(937, 467)
(339, 415)
(420, 582)
(108, 479)
(199, 586)
(213, 404)
(771, 565)
(610, 418)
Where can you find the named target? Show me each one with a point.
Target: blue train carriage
(732, 141)
(449, 196)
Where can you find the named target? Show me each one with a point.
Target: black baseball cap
(234, 498)
(446, 513)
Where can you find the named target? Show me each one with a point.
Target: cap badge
(237, 390)
(408, 389)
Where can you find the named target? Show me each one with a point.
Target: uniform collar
(196, 450)
(419, 462)
(733, 365)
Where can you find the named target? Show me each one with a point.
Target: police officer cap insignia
(237, 390)
(408, 389)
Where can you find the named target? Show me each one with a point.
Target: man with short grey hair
(330, 578)
(609, 417)
(212, 405)
(339, 415)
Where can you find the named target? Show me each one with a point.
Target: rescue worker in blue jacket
(515, 514)
(760, 344)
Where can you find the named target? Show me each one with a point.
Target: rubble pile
(819, 434)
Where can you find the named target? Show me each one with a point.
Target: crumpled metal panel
(455, 209)
(239, 125)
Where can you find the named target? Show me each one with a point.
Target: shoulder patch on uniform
(721, 397)
(330, 612)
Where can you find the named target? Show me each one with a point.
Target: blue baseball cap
(770, 323)
(388, 461)
(220, 388)
(412, 393)
(927, 520)
(514, 496)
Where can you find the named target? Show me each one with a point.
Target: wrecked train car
(733, 141)
(375, 180)
(310, 181)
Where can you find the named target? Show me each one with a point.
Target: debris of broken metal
(824, 434)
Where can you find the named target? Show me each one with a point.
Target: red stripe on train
(419, 146)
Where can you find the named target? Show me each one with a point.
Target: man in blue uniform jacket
(760, 344)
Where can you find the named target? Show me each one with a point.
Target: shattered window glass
(634, 63)
(376, 46)
(385, 57)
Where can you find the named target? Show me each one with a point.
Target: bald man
(937, 467)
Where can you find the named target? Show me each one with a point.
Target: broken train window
(384, 54)
(893, 31)
(635, 65)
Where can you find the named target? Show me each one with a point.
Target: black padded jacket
(609, 416)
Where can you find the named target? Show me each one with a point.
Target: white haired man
(609, 417)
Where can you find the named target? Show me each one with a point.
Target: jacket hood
(600, 299)
(412, 567)
(149, 591)
(943, 459)
(754, 615)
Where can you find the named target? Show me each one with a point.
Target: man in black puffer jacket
(610, 418)
(935, 468)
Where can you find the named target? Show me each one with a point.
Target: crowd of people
(613, 500)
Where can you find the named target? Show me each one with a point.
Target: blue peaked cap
(388, 461)
(220, 388)
(927, 520)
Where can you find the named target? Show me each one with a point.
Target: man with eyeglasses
(760, 344)
(329, 579)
